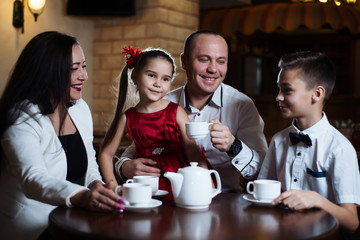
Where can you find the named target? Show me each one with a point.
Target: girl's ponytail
(132, 54)
(123, 86)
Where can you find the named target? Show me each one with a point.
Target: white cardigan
(33, 180)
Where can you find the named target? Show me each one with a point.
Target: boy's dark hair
(315, 67)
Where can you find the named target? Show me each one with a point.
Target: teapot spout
(176, 181)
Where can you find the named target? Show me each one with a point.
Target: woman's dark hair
(41, 76)
(144, 58)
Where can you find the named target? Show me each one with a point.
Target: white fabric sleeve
(126, 156)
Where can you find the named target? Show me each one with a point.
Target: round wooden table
(228, 217)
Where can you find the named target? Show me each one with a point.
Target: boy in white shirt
(316, 164)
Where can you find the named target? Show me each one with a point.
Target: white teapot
(192, 186)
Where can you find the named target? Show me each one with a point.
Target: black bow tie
(296, 137)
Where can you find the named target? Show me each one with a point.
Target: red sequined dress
(157, 136)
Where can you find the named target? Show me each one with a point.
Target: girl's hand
(99, 197)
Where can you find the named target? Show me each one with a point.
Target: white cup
(153, 181)
(264, 190)
(197, 130)
(136, 193)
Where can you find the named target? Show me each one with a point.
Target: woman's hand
(99, 197)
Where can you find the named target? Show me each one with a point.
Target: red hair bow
(132, 55)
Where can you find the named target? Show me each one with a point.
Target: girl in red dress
(156, 125)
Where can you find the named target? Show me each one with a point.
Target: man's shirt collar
(216, 98)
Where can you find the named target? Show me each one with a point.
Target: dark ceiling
(210, 4)
(213, 4)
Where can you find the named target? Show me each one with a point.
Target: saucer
(143, 207)
(251, 199)
(160, 193)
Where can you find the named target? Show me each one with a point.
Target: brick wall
(157, 23)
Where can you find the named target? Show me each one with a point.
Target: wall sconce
(36, 7)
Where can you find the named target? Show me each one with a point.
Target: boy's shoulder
(336, 138)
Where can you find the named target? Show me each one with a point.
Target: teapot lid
(193, 164)
(193, 168)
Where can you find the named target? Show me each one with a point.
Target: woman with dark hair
(46, 154)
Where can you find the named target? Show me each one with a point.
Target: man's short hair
(190, 38)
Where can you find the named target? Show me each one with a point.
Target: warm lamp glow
(36, 7)
(336, 2)
(36, 4)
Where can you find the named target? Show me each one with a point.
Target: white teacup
(197, 130)
(264, 190)
(153, 181)
(136, 193)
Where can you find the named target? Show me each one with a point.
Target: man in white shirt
(236, 145)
